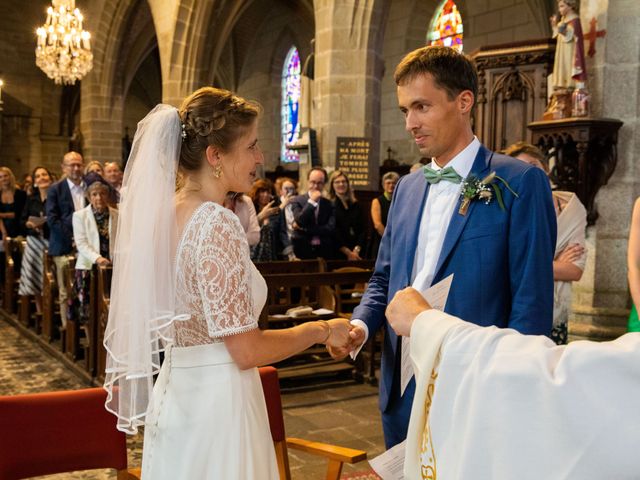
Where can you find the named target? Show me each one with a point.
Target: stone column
(601, 298)
(348, 73)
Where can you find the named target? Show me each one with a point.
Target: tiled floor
(345, 414)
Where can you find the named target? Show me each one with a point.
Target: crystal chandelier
(63, 50)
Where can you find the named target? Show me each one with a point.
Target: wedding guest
(94, 231)
(242, 206)
(113, 175)
(314, 219)
(35, 226)
(570, 253)
(633, 264)
(12, 201)
(380, 210)
(350, 227)
(94, 166)
(27, 184)
(274, 242)
(63, 199)
(287, 189)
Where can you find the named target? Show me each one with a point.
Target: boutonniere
(475, 189)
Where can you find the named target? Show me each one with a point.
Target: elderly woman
(350, 228)
(34, 225)
(570, 255)
(274, 240)
(380, 209)
(94, 232)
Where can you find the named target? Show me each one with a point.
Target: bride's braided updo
(212, 116)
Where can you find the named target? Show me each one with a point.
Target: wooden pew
(315, 361)
(13, 257)
(49, 298)
(103, 297)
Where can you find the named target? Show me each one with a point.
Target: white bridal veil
(142, 305)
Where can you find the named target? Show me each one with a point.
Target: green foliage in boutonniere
(475, 189)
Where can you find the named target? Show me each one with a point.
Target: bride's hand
(339, 334)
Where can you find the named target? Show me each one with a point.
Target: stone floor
(345, 413)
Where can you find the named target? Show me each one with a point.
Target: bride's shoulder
(214, 214)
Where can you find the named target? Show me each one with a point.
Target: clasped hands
(401, 313)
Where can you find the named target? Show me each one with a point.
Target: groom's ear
(465, 101)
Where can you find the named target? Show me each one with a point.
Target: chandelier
(64, 51)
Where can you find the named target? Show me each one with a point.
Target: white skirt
(208, 420)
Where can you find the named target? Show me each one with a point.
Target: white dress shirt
(436, 215)
(77, 194)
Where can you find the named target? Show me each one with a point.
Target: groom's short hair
(450, 69)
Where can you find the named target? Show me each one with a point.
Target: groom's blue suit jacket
(502, 261)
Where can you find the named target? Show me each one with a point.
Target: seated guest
(63, 199)
(380, 210)
(350, 228)
(570, 255)
(314, 219)
(94, 166)
(287, 188)
(34, 225)
(274, 241)
(243, 207)
(94, 230)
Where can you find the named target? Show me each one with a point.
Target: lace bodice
(217, 284)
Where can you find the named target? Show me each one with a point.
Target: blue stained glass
(290, 125)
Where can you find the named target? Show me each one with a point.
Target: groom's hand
(404, 308)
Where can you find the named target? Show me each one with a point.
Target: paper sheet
(390, 464)
(437, 296)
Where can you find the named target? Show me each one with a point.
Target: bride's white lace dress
(208, 418)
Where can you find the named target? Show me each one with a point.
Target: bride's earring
(217, 171)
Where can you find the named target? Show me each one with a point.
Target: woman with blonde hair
(94, 166)
(183, 284)
(12, 201)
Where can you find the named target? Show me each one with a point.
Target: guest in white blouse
(94, 232)
(242, 206)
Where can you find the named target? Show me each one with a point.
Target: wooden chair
(348, 295)
(336, 456)
(47, 433)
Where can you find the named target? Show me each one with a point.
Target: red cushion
(57, 432)
(271, 388)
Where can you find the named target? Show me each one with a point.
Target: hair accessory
(184, 131)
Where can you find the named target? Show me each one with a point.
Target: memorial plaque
(353, 159)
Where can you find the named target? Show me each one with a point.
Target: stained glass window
(446, 26)
(290, 126)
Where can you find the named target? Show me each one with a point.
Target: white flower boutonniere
(475, 189)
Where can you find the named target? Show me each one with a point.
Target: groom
(499, 251)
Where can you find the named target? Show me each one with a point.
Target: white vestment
(494, 404)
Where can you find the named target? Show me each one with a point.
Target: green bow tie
(434, 176)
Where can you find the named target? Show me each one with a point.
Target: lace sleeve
(223, 274)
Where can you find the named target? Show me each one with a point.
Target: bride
(183, 284)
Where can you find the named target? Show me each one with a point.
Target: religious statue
(569, 71)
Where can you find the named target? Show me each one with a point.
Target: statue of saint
(569, 65)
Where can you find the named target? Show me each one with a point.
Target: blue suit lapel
(479, 169)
